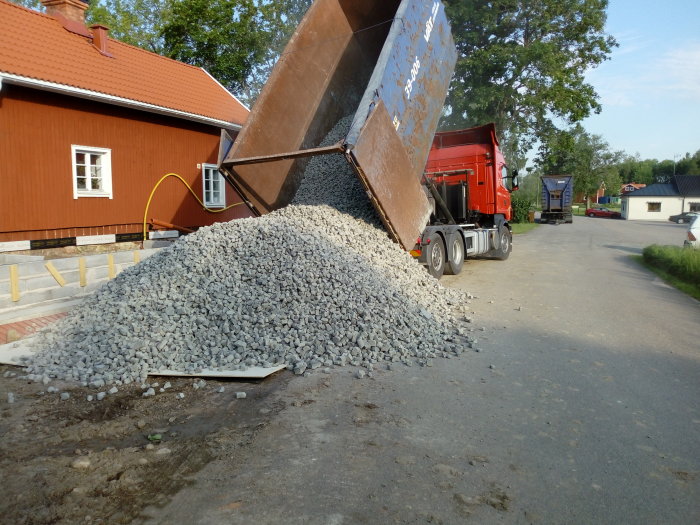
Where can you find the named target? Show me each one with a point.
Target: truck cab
(470, 173)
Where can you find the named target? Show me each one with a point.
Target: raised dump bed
(388, 63)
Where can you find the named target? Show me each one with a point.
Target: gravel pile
(315, 284)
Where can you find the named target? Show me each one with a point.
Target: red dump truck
(467, 177)
(388, 63)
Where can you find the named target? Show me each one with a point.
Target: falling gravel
(316, 284)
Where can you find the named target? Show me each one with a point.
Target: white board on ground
(15, 353)
(254, 372)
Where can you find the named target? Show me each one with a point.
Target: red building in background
(89, 125)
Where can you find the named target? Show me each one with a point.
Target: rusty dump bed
(388, 63)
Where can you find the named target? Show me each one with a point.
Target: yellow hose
(210, 210)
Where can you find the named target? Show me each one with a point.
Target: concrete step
(37, 285)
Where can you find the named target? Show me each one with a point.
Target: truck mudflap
(386, 62)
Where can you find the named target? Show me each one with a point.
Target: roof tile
(37, 46)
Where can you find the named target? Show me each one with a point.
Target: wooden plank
(56, 274)
(14, 283)
(83, 272)
(110, 266)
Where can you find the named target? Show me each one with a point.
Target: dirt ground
(80, 461)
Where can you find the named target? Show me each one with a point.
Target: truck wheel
(505, 243)
(436, 256)
(454, 266)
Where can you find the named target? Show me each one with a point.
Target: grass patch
(523, 227)
(678, 266)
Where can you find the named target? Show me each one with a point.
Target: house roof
(36, 50)
(688, 185)
(655, 190)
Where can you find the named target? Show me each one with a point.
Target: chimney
(99, 38)
(72, 10)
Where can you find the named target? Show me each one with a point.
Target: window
(92, 172)
(694, 206)
(653, 206)
(214, 190)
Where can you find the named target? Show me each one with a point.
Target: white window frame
(649, 203)
(106, 171)
(206, 194)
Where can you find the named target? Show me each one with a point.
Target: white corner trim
(84, 240)
(227, 91)
(15, 246)
(45, 85)
(163, 234)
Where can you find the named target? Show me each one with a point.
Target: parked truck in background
(388, 63)
(557, 198)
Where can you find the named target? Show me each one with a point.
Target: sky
(650, 88)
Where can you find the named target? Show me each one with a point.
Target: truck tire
(454, 266)
(505, 243)
(435, 256)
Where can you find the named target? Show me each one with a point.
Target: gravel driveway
(580, 406)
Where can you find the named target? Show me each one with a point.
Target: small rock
(150, 446)
(89, 397)
(360, 374)
(163, 451)
(492, 367)
(181, 395)
(80, 463)
(143, 461)
(10, 397)
(140, 423)
(65, 396)
(240, 395)
(221, 390)
(167, 385)
(113, 390)
(148, 393)
(52, 389)
(101, 395)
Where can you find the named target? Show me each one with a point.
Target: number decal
(431, 21)
(414, 73)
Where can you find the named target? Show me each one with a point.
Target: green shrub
(683, 263)
(521, 207)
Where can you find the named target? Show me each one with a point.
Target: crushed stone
(316, 284)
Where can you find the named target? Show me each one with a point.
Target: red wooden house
(89, 125)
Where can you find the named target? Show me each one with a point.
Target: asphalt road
(582, 406)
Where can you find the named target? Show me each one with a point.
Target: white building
(657, 202)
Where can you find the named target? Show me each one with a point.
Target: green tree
(634, 169)
(135, 22)
(32, 4)
(522, 64)
(222, 36)
(279, 19)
